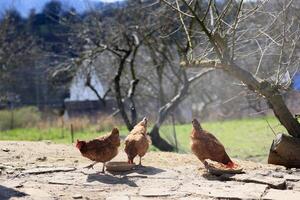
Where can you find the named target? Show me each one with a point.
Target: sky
(24, 6)
(296, 81)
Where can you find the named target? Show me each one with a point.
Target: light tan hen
(137, 142)
(206, 146)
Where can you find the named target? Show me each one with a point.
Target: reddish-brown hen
(137, 142)
(101, 149)
(206, 146)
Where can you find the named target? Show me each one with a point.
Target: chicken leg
(140, 163)
(91, 165)
(103, 167)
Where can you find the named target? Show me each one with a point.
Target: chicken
(207, 146)
(137, 142)
(101, 149)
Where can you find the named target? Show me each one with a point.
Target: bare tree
(17, 48)
(226, 51)
(229, 33)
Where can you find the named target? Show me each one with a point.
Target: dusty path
(41, 170)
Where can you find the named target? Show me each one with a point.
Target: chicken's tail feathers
(115, 131)
(196, 124)
(144, 122)
(231, 165)
(149, 139)
(79, 144)
(115, 137)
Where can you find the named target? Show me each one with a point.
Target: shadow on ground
(148, 170)
(142, 170)
(110, 179)
(8, 193)
(121, 177)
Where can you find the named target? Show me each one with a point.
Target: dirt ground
(42, 170)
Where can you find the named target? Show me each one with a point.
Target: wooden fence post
(72, 134)
(174, 133)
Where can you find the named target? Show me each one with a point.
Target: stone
(139, 198)
(292, 177)
(136, 175)
(282, 194)
(5, 149)
(158, 188)
(61, 182)
(37, 194)
(10, 171)
(48, 142)
(13, 183)
(294, 185)
(43, 170)
(225, 190)
(43, 158)
(118, 197)
(273, 182)
(155, 192)
(77, 196)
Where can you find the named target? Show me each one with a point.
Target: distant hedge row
(19, 118)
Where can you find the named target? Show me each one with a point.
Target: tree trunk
(284, 115)
(169, 107)
(118, 93)
(264, 88)
(272, 96)
(285, 150)
(159, 142)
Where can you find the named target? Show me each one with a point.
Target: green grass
(244, 138)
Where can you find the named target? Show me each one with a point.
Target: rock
(294, 185)
(37, 194)
(277, 183)
(278, 175)
(48, 170)
(77, 196)
(138, 198)
(43, 158)
(225, 190)
(10, 171)
(159, 188)
(154, 192)
(118, 197)
(47, 142)
(282, 194)
(136, 175)
(61, 182)
(13, 183)
(19, 168)
(292, 177)
(5, 149)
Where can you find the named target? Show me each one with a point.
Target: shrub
(106, 123)
(19, 118)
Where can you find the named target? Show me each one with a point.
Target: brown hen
(137, 142)
(206, 146)
(101, 149)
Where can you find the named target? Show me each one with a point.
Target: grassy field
(244, 138)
